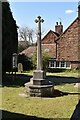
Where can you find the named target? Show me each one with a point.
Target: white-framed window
(51, 64)
(68, 64)
(59, 64)
(62, 64)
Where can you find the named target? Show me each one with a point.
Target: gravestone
(38, 85)
(20, 67)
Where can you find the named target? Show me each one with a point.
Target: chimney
(60, 23)
(79, 9)
(56, 23)
(59, 28)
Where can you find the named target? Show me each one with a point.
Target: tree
(26, 34)
(23, 33)
(30, 35)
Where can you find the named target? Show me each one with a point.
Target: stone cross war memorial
(39, 86)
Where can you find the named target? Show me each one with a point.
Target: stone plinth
(39, 77)
(39, 90)
(39, 74)
(39, 86)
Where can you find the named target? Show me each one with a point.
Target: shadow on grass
(6, 115)
(76, 113)
(58, 93)
(62, 80)
(19, 80)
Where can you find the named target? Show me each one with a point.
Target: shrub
(45, 60)
(54, 70)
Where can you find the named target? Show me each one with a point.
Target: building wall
(79, 39)
(68, 44)
(48, 43)
(75, 65)
(49, 38)
(9, 37)
(49, 49)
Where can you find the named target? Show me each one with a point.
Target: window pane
(62, 64)
(46, 50)
(57, 63)
(51, 63)
(67, 64)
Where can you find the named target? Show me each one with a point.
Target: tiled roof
(49, 49)
(29, 51)
(50, 31)
(66, 29)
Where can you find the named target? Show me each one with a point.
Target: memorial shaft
(39, 55)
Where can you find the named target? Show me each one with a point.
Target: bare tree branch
(26, 34)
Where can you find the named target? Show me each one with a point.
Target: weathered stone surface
(39, 74)
(40, 82)
(39, 77)
(20, 67)
(41, 91)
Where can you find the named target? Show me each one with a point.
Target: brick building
(62, 47)
(48, 46)
(68, 45)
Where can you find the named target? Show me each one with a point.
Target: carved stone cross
(39, 55)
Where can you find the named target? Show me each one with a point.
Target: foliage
(9, 37)
(45, 60)
(34, 60)
(58, 70)
(55, 70)
(26, 62)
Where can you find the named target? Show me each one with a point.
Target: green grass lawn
(56, 107)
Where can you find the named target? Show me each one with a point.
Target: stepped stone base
(39, 86)
(39, 91)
